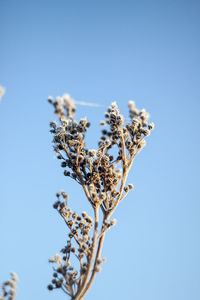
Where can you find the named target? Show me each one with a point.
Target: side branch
(81, 291)
(98, 255)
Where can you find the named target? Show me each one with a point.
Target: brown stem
(98, 254)
(123, 150)
(120, 194)
(81, 291)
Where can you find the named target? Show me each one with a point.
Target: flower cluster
(97, 169)
(9, 288)
(102, 173)
(64, 106)
(132, 134)
(79, 244)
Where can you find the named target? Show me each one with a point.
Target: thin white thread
(91, 104)
(88, 104)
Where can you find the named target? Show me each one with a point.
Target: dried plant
(8, 288)
(2, 91)
(102, 173)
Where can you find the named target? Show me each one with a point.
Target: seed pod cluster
(8, 288)
(102, 173)
(79, 245)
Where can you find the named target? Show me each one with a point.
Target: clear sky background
(102, 51)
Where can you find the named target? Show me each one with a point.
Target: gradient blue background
(101, 51)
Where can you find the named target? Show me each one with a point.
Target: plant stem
(98, 254)
(81, 291)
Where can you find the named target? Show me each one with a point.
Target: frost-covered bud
(93, 194)
(50, 287)
(65, 196)
(130, 186)
(146, 132)
(73, 249)
(12, 293)
(102, 123)
(144, 115)
(53, 124)
(99, 153)
(89, 160)
(114, 104)
(66, 97)
(100, 261)
(135, 123)
(92, 152)
(119, 171)
(89, 219)
(84, 214)
(58, 259)
(14, 276)
(64, 121)
(63, 164)
(66, 173)
(98, 269)
(108, 143)
(56, 204)
(102, 196)
(106, 223)
(59, 100)
(51, 260)
(106, 115)
(126, 189)
(74, 216)
(92, 187)
(113, 222)
(151, 126)
(120, 120)
(50, 99)
(131, 104)
(12, 283)
(142, 144)
(83, 121)
(85, 238)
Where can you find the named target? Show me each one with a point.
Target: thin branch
(98, 254)
(89, 268)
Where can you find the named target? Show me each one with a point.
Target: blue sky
(102, 51)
